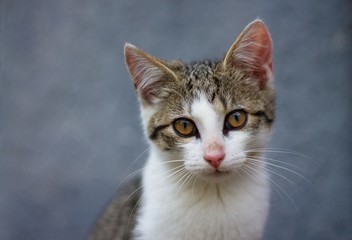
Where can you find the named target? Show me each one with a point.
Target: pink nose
(214, 158)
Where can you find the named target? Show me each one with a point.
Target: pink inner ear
(253, 51)
(145, 74)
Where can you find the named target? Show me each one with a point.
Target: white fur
(200, 204)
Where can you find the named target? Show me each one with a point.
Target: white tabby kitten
(204, 177)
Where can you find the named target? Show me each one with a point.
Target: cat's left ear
(148, 74)
(252, 52)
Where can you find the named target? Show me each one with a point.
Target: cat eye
(236, 120)
(184, 127)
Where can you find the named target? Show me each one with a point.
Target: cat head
(211, 115)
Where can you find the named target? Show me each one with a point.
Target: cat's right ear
(148, 73)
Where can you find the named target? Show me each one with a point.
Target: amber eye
(184, 127)
(236, 120)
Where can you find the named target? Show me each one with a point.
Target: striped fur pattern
(205, 185)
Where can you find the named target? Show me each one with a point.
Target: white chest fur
(235, 209)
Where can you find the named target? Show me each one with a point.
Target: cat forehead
(205, 114)
(199, 78)
(200, 72)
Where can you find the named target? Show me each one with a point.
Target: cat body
(207, 123)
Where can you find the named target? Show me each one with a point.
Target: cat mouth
(218, 173)
(215, 175)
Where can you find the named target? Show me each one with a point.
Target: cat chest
(194, 223)
(204, 219)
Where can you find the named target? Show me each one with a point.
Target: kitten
(206, 123)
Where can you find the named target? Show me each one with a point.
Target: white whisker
(189, 175)
(278, 186)
(129, 196)
(139, 157)
(179, 173)
(281, 162)
(284, 168)
(194, 183)
(250, 173)
(277, 150)
(178, 169)
(180, 176)
(132, 175)
(172, 161)
(274, 172)
(130, 217)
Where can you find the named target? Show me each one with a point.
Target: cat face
(209, 115)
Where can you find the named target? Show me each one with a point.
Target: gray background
(69, 122)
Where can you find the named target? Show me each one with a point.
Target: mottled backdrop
(69, 122)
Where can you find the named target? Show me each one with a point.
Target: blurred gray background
(69, 121)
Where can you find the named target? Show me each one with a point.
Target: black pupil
(237, 116)
(184, 124)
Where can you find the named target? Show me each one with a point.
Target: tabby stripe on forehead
(155, 131)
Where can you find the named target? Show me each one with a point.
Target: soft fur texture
(211, 184)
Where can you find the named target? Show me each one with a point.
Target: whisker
(172, 161)
(130, 217)
(179, 169)
(281, 162)
(286, 169)
(238, 172)
(175, 175)
(277, 150)
(136, 172)
(276, 173)
(129, 196)
(188, 174)
(279, 187)
(194, 182)
(247, 170)
(138, 157)
(180, 176)
(131, 175)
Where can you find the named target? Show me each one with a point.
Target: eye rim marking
(194, 131)
(156, 130)
(263, 114)
(228, 127)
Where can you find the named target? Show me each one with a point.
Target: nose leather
(214, 154)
